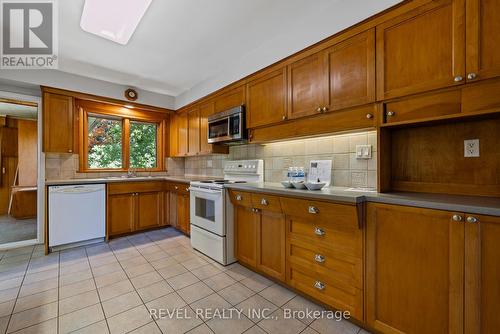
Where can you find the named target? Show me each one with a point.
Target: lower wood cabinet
(134, 206)
(180, 207)
(431, 271)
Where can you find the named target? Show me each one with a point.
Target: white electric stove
(212, 217)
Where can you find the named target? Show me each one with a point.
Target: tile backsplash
(347, 171)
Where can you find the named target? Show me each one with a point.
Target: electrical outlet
(471, 148)
(363, 151)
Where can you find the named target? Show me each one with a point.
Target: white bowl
(287, 184)
(315, 185)
(299, 184)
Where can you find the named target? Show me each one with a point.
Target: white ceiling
(188, 48)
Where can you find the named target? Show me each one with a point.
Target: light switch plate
(363, 151)
(471, 148)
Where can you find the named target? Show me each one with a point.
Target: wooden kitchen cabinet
(414, 270)
(193, 116)
(206, 110)
(482, 274)
(421, 50)
(483, 39)
(231, 98)
(182, 134)
(307, 86)
(121, 214)
(58, 123)
(134, 206)
(149, 210)
(245, 235)
(267, 99)
(351, 71)
(183, 221)
(271, 243)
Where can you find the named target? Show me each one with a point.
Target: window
(118, 139)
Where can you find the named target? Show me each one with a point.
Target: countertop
(183, 179)
(467, 204)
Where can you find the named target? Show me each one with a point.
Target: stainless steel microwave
(227, 127)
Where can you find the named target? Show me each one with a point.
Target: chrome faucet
(131, 173)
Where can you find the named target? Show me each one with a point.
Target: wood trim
(102, 99)
(22, 103)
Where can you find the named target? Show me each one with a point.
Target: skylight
(115, 20)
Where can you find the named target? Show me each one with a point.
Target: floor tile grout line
(98, 294)
(19, 291)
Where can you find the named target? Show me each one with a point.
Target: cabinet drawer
(181, 188)
(481, 98)
(337, 214)
(345, 239)
(241, 198)
(266, 202)
(324, 290)
(424, 106)
(134, 187)
(341, 268)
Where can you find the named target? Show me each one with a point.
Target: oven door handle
(207, 191)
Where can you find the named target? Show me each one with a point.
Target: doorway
(19, 170)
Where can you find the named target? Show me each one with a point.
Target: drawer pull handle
(456, 218)
(264, 202)
(313, 209)
(239, 198)
(319, 285)
(391, 113)
(472, 220)
(319, 258)
(319, 231)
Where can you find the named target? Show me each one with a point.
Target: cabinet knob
(283, 117)
(239, 198)
(471, 76)
(456, 218)
(369, 116)
(187, 189)
(255, 210)
(313, 209)
(458, 78)
(319, 231)
(70, 151)
(324, 109)
(319, 258)
(318, 109)
(472, 220)
(319, 285)
(390, 113)
(264, 202)
(176, 187)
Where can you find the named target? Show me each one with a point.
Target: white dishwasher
(77, 214)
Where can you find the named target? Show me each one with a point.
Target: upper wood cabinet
(351, 71)
(266, 99)
(421, 50)
(229, 99)
(307, 86)
(482, 274)
(193, 116)
(58, 123)
(182, 134)
(414, 270)
(206, 110)
(483, 39)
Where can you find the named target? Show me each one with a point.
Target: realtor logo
(29, 39)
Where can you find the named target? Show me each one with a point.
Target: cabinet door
(246, 235)
(166, 209)
(121, 214)
(482, 274)
(183, 223)
(172, 201)
(230, 99)
(205, 111)
(193, 131)
(483, 39)
(271, 244)
(307, 86)
(182, 134)
(58, 123)
(421, 50)
(414, 270)
(351, 71)
(266, 99)
(149, 210)
(173, 135)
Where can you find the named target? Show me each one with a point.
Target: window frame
(86, 108)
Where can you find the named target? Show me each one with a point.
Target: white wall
(21, 79)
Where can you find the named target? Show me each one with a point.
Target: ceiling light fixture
(115, 20)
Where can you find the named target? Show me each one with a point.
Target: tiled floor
(112, 288)
(12, 230)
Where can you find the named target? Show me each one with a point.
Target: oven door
(207, 209)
